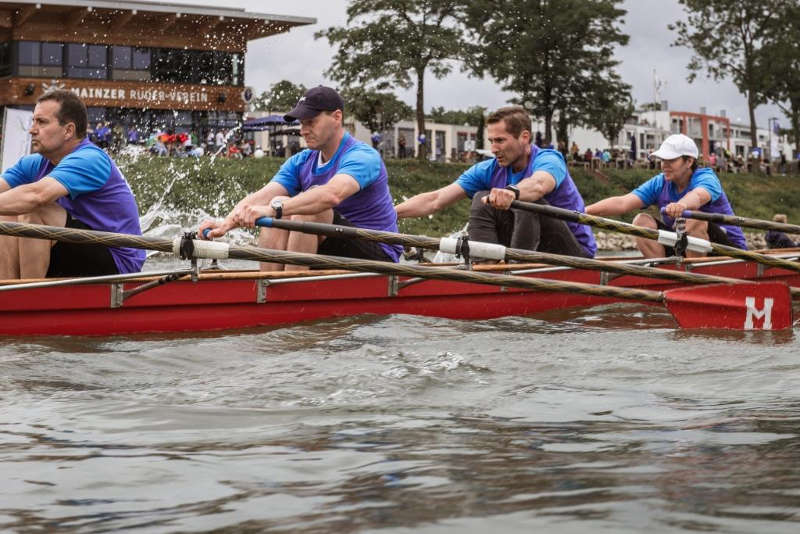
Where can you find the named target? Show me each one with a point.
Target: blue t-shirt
(371, 207)
(650, 191)
(488, 174)
(360, 161)
(98, 195)
(479, 176)
(660, 192)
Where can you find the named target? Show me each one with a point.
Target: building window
(87, 61)
(5, 58)
(35, 58)
(130, 63)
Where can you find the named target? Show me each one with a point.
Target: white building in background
(446, 142)
(450, 142)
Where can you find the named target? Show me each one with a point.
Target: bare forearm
(19, 200)
(418, 205)
(607, 206)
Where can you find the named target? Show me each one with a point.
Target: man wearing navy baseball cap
(680, 186)
(337, 179)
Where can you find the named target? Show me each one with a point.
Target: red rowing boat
(226, 300)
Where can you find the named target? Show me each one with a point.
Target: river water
(601, 420)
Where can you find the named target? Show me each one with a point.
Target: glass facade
(126, 63)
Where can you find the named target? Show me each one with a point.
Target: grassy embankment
(216, 187)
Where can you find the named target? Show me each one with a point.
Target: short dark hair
(515, 117)
(72, 109)
(694, 162)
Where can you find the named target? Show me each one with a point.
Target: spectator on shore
(401, 146)
(778, 239)
(133, 135)
(587, 156)
(575, 152)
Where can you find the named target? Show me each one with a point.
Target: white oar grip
(203, 249)
(667, 238)
(698, 245)
(695, 244)
(477, 249)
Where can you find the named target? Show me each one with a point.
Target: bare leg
(34, 254)
(648, 247)
(9, 253)
(309, 243)
(699, 229)
(276, 239)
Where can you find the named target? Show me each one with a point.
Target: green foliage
(472, 116)
(726, 37)
(391, 43)
(282, 96)
(781, 60)
(190, 187)
(377, 111)
(556, 55)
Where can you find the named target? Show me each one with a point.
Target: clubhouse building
(146, 65)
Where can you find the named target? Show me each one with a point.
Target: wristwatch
(277, 207)
(515, 190)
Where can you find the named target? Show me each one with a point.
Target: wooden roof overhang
(140, 24)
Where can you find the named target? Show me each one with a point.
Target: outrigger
(737, 293)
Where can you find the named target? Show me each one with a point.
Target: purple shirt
(98, 195)
(487, 174)
(660, 191)
(371, 207)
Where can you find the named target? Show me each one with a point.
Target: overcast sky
(297, 56)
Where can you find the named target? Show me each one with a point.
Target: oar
(662, 236)
(737, 306)
(493, 251)
(735, 220)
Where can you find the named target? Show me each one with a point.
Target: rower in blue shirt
(520, 170)
(680, 186)
(336, 180)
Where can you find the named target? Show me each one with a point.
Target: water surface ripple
(601, 420)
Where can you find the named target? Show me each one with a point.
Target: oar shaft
(511, 254)
(221, 250)
(648, 233)
(741, 221)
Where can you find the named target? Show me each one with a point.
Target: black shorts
(70, 259)
(716, 234)
(352, 247)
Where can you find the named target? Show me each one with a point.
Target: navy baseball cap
(315, 101)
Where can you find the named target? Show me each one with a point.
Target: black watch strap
(515, 189)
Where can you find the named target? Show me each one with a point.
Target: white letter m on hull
(753, 312)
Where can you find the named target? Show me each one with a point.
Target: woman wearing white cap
(680, 186)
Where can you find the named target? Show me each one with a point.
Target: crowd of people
(70, 181)
(114, 137)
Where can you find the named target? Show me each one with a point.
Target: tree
(726, 36)
(781, 57)
(377, 111)
(282, 96)
(396, 42)
(548, 52)
(610, 115)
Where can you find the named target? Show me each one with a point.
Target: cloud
(297, 56)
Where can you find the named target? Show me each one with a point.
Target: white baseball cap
(676, 146)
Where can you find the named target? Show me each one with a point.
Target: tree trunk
(422, 154)
(562, 131)
(548, 128)
(751, 108)
(796, 126)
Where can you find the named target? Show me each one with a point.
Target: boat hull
(225, 301)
